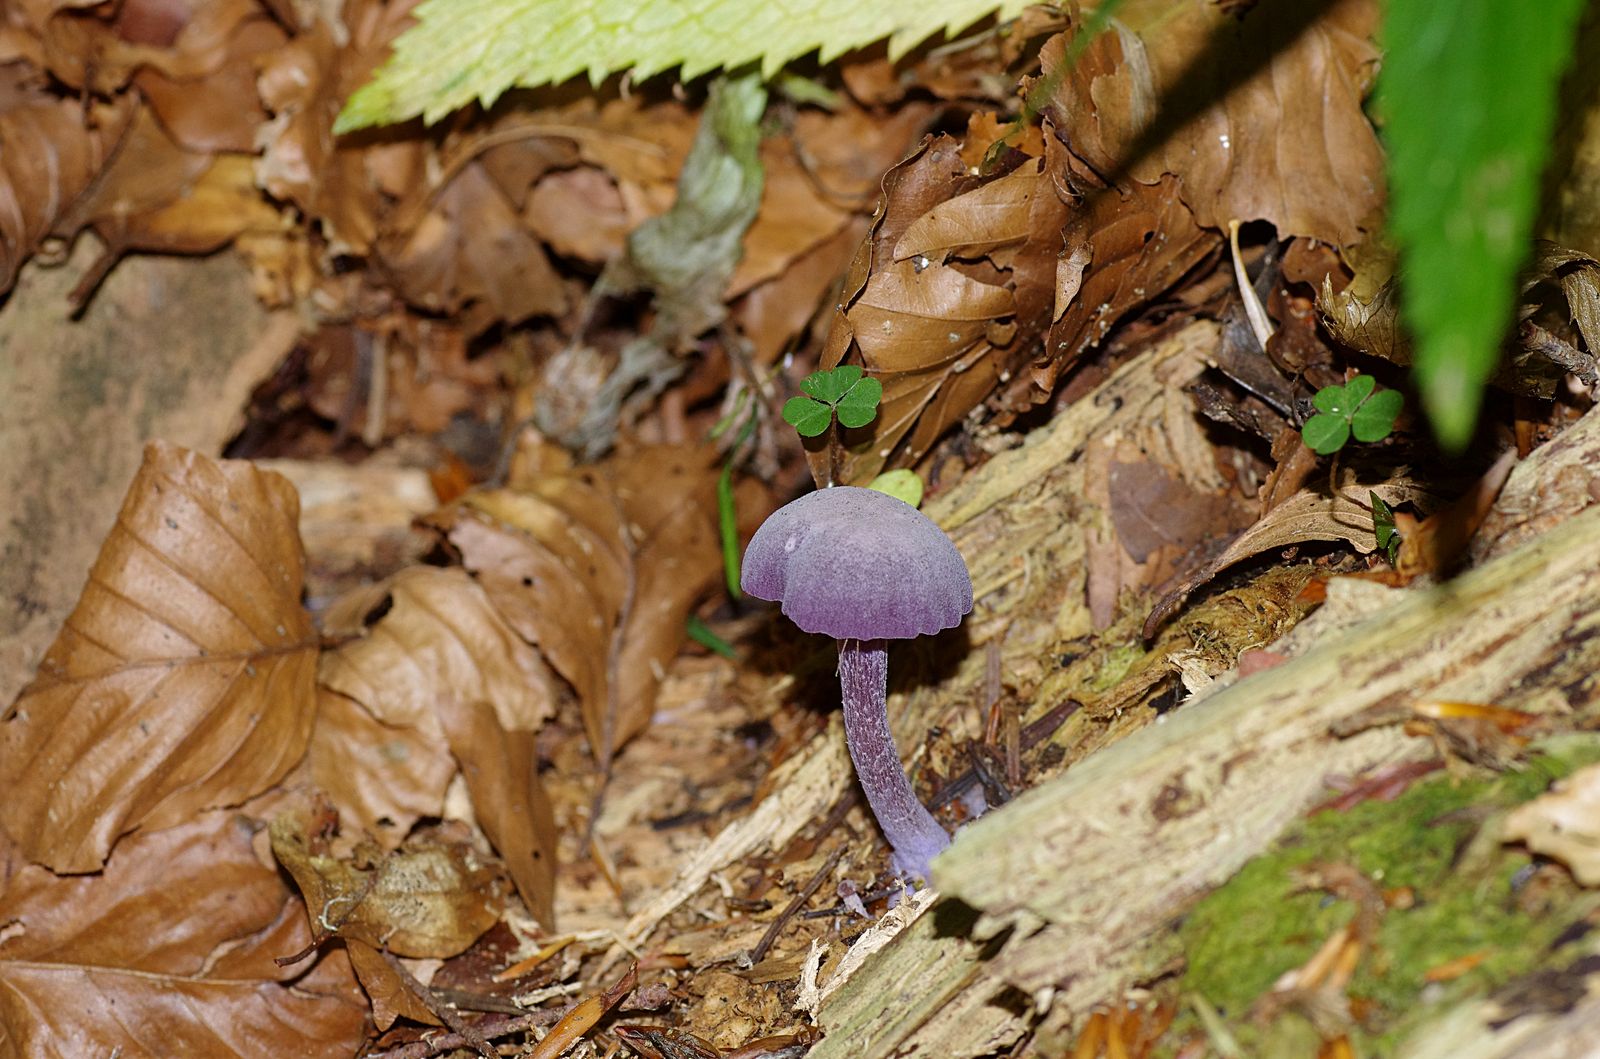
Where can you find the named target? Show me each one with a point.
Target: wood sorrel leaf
(1375, 418)
(809, 418)
(859, 406)
(1325, 434)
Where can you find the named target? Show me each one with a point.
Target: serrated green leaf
(809, 418)
(1325, 434)
(1467, 92)
(1375, 418)
(466, 50)
(859, 406)
(830, 386)
(1332, 400)
(902, 484)
(1359, 389)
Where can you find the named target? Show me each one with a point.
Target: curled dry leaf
(391, 996)
(433, 897)
(440, 672)
(382, 777)
(185, 677)
(438, 640)
(599, 568)
(966, 271)
(1309, 515)
(501, 768)
(1238, 109)
(345, 184)
(471, 250)
(168, 952)
(153, 195)
(1562, 824)
(51, 155)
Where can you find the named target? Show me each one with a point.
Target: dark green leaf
(1358, 389)
(1325, 434)
(1467, 93)
(809, 418)
(1375, 418)
(1383, 527)
(858, 407)
(1333, 400)
(701, 634)
(829, 386)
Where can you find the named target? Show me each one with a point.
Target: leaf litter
(484, 741)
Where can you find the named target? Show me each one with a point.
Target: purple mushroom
(864, 568)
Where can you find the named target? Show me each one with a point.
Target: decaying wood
(1085, 868)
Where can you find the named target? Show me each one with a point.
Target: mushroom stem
(913, 834)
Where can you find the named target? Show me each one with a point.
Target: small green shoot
(1350, 409)
(727, 513)
(1383, 526)
(701, 634)
(902, 484)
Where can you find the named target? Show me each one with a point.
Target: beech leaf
(169, 952)
(185, 677)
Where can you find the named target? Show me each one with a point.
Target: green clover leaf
(829, 386)
(1350, 409)
(1375, 418)
(809, 418)
(1325, 434)
(859, 404)
(843, 391)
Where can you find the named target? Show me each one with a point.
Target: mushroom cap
(857, 564)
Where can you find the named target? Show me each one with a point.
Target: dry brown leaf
(433, 897)
(599, 568)
(391, 997)
(344, 184)
(438, 640)
(579, 213)
(183, 680)
(99, 56)
(1309, 515)
(221, 110)
(169, 952)
(382, 778)
(470, 249)
(153, 195)
(793, 218)
(51, 155)
(774, 313)
(501, 768)
(926, 329)
(1562, 824)
(1289, 144)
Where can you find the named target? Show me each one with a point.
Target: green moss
(1247, 933)
(1115, 664)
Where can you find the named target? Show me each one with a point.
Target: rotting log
(1075, 878)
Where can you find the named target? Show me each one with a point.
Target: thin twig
(452, 1018)
(492, 1028)
(1032, 735)
(759, 953)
